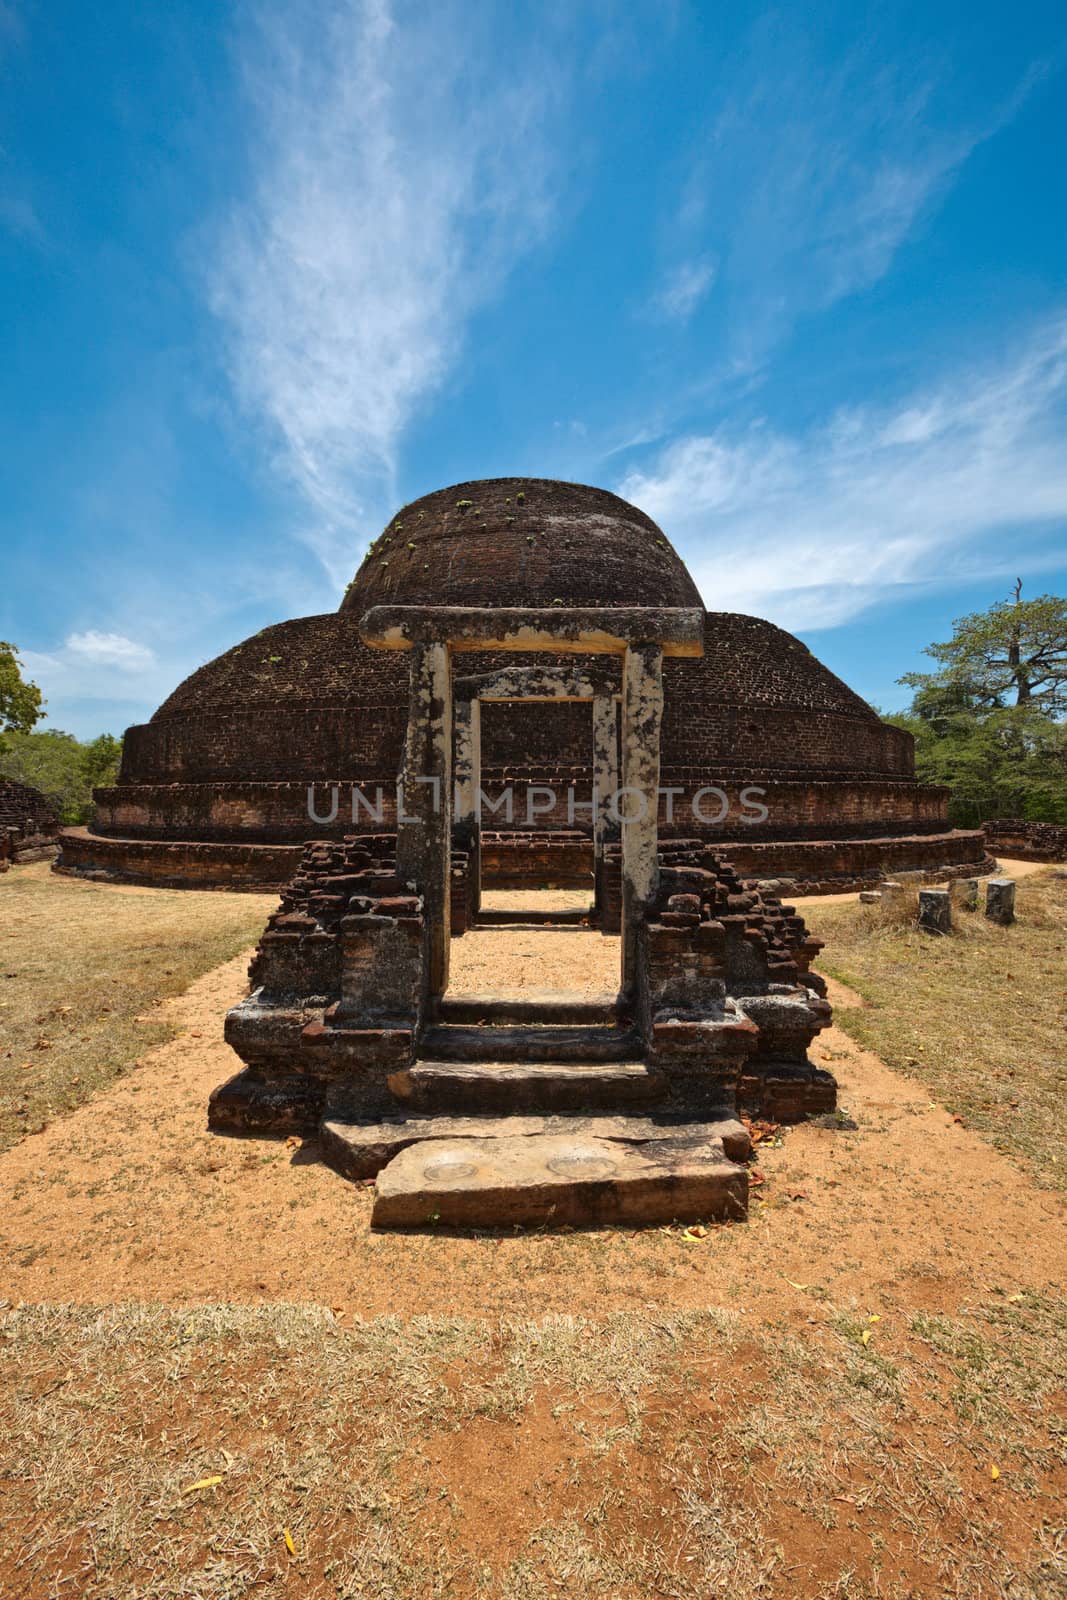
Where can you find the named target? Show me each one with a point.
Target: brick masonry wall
(1026, 841)
(28, 823)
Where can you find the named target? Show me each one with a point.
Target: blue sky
(792, 279)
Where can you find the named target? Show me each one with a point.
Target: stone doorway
(499, 1108)
(541, 846)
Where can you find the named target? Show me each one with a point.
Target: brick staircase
(534, 1111)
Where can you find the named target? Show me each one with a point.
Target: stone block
(1000, 901)
(935, 911)
(557, 1180)
(359, 1150)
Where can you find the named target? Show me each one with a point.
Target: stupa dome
(521, 542)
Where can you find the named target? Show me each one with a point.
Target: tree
(63, 768)
(990, 723)
(20, 701)
(1013, 654)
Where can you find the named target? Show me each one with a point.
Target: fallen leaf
(203, 1483)
(793, 1285)
(696, 1232)
(875, 1316)
(865, 1337)
(994, 1472)
(289, 1545)
(1013, 1299)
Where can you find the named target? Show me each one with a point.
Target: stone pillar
(1000, 901)
(467, 825)
(424, 831)
(638, 801)
(935, 911)
(605, 785)
(965, 893)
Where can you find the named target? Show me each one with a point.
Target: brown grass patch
(672, 1454)
(979, 1017)
(84, 969)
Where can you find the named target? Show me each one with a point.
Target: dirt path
(131, 1197)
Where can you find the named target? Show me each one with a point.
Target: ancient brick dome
(521, 542)
(214, 787)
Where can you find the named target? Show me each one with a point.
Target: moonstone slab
(556, 1180)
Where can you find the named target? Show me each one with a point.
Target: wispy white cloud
(809, 179)
(110, 650)
(684, 288)
(964, 482)
(400, 169)
(95, 680)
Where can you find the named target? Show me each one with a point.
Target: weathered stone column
(467, 825)
(605, 785)
(935, 911)
(1000, 901)
(638, 800)
(424, 831)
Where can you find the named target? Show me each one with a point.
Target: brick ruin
(214, 789)
(29, 827)
(485, 1110)
(1026, 841)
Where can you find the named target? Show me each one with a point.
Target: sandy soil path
(131, 1197)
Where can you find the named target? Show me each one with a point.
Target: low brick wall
(537, 861)
(797, 807)
(1026, 841)
(182, 865)
(531, 860)
(829, 866)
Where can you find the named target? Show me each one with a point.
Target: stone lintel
(566, 630)
(546, 682)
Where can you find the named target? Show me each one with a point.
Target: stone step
(555, 1180)
(499, 1087)
(530, 1042)
(539, 1006)
(360, 1150)
(517, 917)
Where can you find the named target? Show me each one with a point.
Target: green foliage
(64, 768)
(20, 700)
(989, 723)
(1009, 762)
(1013, 654)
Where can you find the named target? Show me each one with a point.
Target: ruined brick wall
(178, 864)
(1027, 841)
(29, 826)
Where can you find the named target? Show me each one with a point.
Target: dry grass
(979, 1017)
(664, 1454)
(83, 970)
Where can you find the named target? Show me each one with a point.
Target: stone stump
(935, 911)
(1000, 901)
(870, 897)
